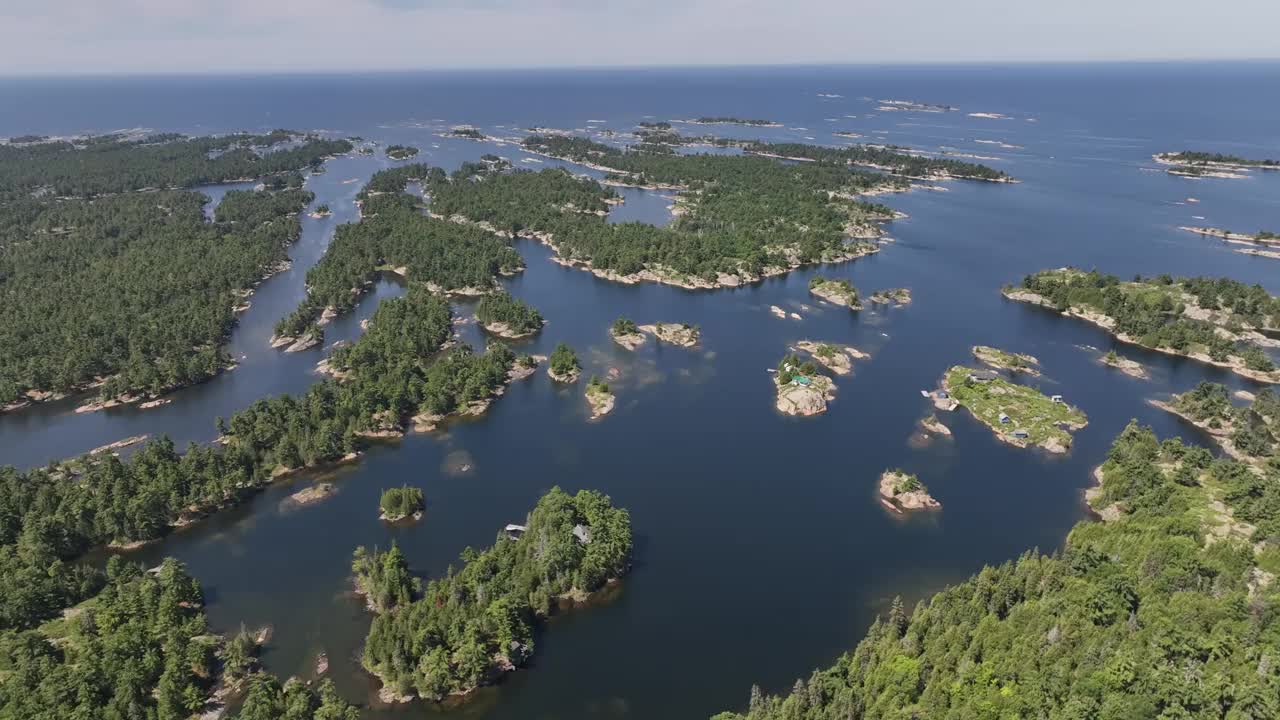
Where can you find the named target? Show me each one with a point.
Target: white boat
(924, 393)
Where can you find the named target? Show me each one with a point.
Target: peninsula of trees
(1250, 432)
(1163, 610)
(128, 292)
(141, 648)
(393, 235)
(467, 628)
(1216, 321)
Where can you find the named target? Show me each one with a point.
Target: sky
(40, 37)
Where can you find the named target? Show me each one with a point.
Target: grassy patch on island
(1029, 411)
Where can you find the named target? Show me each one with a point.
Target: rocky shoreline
(679, 334)
(1234, 364)
(836, 358)
(1003, 360)
(901, 491)
(804, 399)
(1132, 368)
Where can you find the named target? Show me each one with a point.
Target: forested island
(1017, 414)
(113, 278)
(1212, 320)
(397, 504)
(401, 152)
(835, 290)
(626, 333)
(507, 316)
(1162, 610)
(466, 629)
(466, 132)
(1202, 164)
(563, 365)
(730, 120)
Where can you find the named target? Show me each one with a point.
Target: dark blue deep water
(761, 550)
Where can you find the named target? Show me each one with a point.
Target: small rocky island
(900, 490)
(1002, 360)
(600, 398)
(891, 296)
(401, 503)
(934, 425)
(1017, 414)
(838, 291)
(801, 389)
(321, 211)
(401, 152)
(1263, 243)
(312, 494)
(1132, 368)
(836, 358)
(626, 333)
(563, 365)
(681, 334)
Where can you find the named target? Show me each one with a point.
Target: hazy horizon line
(267, 72)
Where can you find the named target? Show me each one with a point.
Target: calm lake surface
(761, 550)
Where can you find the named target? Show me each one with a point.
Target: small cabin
(583, 533)
(1057, 399)
(1021, 434)
(1004, 419)
(943, 394)
(514, 531)
(982, 376)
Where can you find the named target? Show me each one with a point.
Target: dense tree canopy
(1154, 311)
(1154, 613)
(471, 625)
(501, 307)
(48, 516)
(136, 291)
(109, 164)
(394, 234)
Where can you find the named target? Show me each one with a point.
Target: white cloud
(88, 36)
